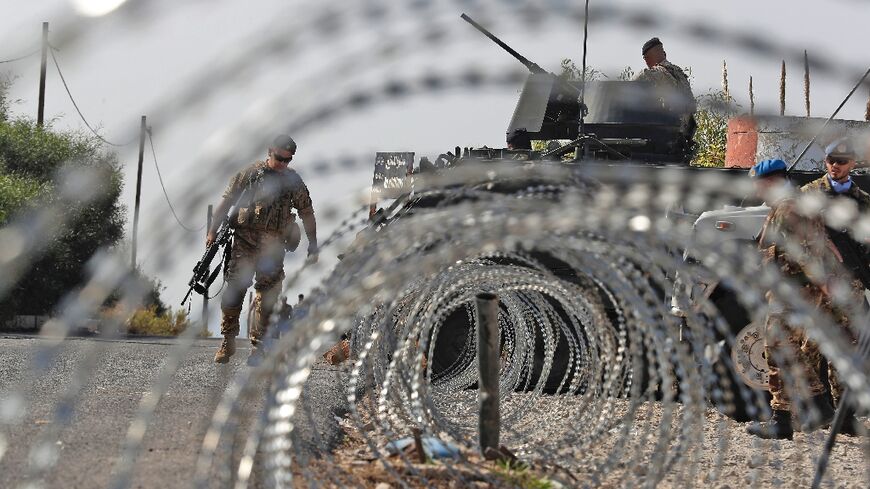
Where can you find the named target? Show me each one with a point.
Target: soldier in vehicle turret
(672, 87)
(662, 72)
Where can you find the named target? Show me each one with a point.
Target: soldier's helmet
(768, 168)
(841, 148)
(284, 142)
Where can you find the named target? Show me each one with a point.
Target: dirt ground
(721, 455)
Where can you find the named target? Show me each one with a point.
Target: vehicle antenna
(825, 125)
(583, 108)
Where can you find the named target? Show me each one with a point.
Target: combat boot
(778, 428)
(851, 425)
(819, 413)
(256, 355)
(227, 349)
(338, 353)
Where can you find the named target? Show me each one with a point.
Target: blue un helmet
(841, 149)
(768, 168)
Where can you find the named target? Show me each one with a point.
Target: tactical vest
(270, 207)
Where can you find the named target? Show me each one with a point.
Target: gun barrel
(531, 66)
(186, 296)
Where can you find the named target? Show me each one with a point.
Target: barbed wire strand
(12, 60)
(165, 194)
(66, 87)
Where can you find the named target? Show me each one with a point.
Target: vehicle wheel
(740, 390)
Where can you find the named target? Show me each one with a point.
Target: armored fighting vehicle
(610, 124)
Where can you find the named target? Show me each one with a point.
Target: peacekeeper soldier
(663, 73)
(787, 348)
(674, 90)
(840, 159)
(264, 230)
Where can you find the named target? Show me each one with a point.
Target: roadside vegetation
(31, 160)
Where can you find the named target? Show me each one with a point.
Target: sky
(149, 57)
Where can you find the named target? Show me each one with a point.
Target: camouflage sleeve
(799, 243)
(655, 75)
(237, 184)
(301, 199)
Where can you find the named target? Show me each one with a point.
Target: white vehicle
(743, 353)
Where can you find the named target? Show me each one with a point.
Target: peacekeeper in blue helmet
(837, 184)
(840, 160)
(798, 245)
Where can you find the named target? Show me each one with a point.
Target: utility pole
(142, 133)
(205, 296)
(40, 113)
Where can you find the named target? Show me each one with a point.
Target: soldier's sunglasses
(838, 161)
(281, 158)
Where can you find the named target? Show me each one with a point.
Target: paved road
(90, 443)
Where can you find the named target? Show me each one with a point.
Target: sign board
(392, 176)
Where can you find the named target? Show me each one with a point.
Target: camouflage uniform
(787, 347)
(264, 226)
(854, 256)
(675, 93)
(669, 75)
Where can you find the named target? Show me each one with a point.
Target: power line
(165, 194)
(11, 60)
(65, 86)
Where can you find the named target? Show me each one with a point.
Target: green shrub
(714, 110)
(34, 161)
(147, 321)
(18, 192)
(519, 474)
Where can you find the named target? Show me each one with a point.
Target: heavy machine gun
(549, 106)
(613, 120)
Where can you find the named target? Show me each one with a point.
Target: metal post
(205, 296)
(40, 111)
(142, 131)
(488, 369)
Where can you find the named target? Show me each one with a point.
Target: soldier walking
(799, 246)
(265, 230)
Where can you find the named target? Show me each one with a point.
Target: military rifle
(203, 276)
